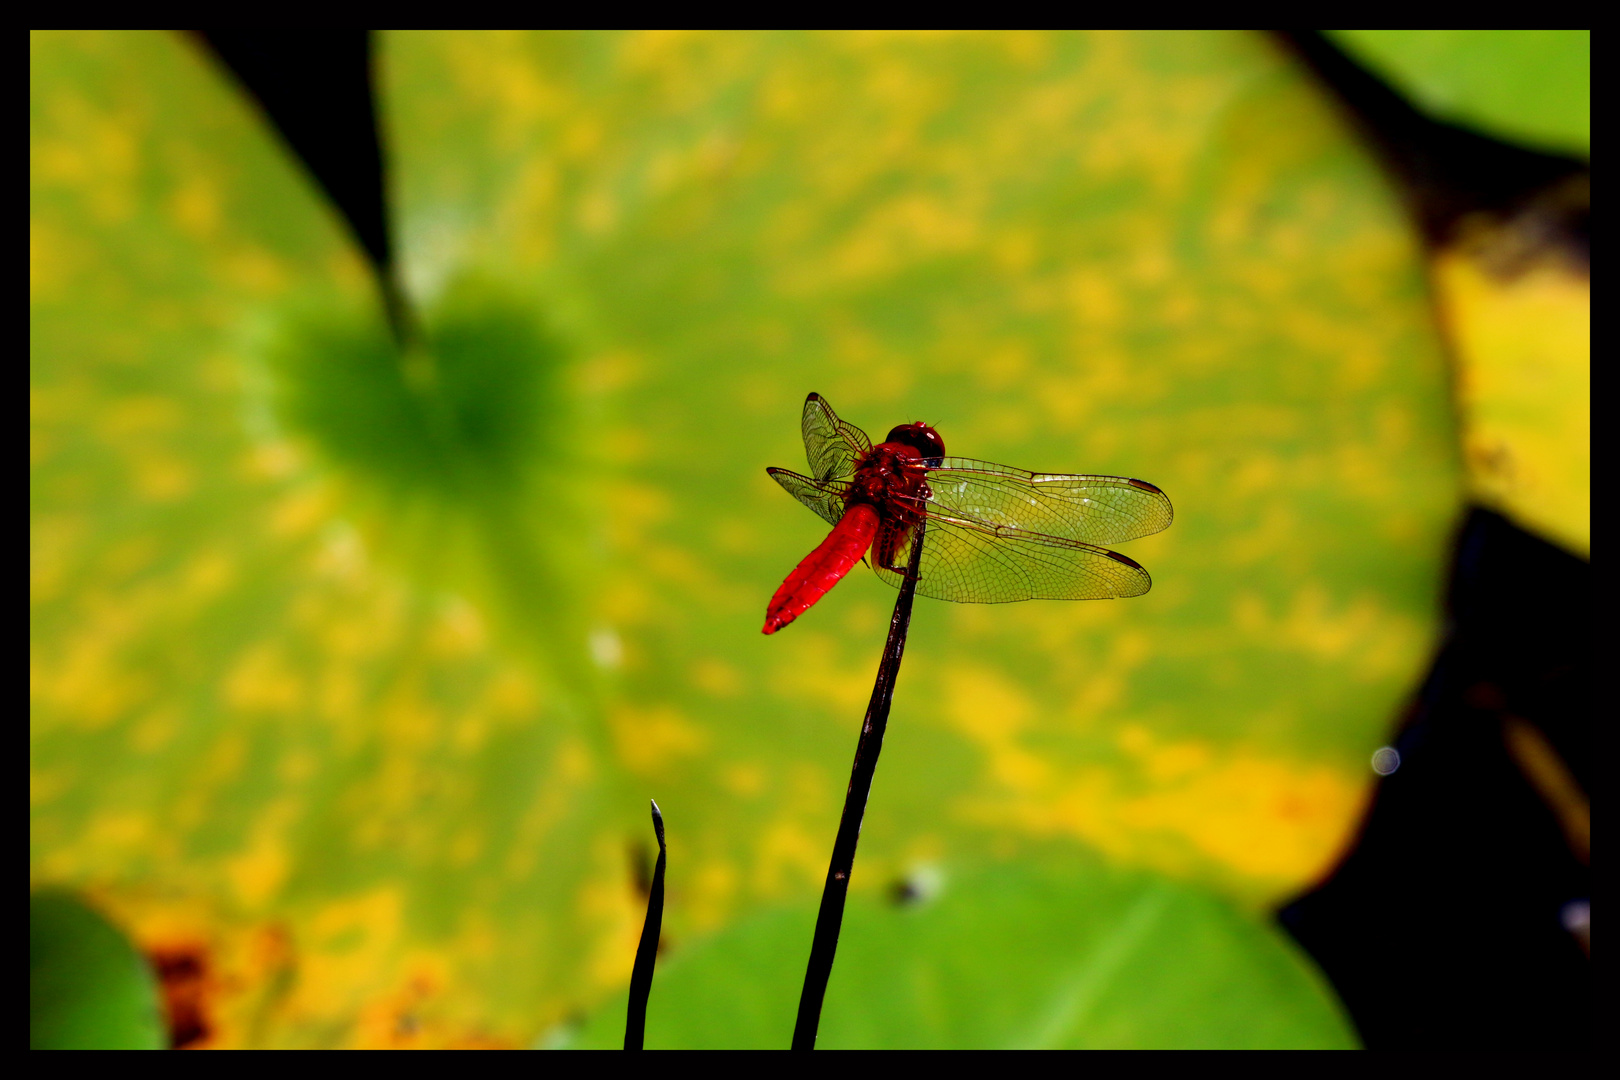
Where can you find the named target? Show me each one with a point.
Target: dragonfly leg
(886, 549)
(902, 571)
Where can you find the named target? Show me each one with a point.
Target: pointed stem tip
(641, 975)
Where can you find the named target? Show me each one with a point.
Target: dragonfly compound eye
(920, 436)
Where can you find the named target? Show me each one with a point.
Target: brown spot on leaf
(183, 974)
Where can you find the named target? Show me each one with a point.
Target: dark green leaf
(1527, 86)
(88, 989)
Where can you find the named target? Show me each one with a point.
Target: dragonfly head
(924, 439)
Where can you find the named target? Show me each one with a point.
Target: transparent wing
(968, 563)
(832, 446)
(825, 497)
(1089, 509)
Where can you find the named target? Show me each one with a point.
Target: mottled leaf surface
(351, 670)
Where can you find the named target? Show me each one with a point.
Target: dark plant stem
(830, 918)
(316, 86)
(641, 976)
(401, 316)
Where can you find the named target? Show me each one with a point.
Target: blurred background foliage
(352, 665)
(1525, 86)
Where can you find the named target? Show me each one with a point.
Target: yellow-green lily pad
(372, 721)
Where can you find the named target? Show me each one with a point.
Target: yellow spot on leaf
(195, 206)
(717, 678)
(746, 780)
(261, 680)
(710, 895)
(615, 913)
(299, 513)
(789, 855)
(257, 873)
(459, 630)
(650, 739)
(155, 730)
(347, 950)
(1267, 819)
(161, 477)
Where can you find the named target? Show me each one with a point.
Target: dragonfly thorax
(890, 478)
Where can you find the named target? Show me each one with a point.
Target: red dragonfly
(992, 534)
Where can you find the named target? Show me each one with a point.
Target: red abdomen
(823, 567)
